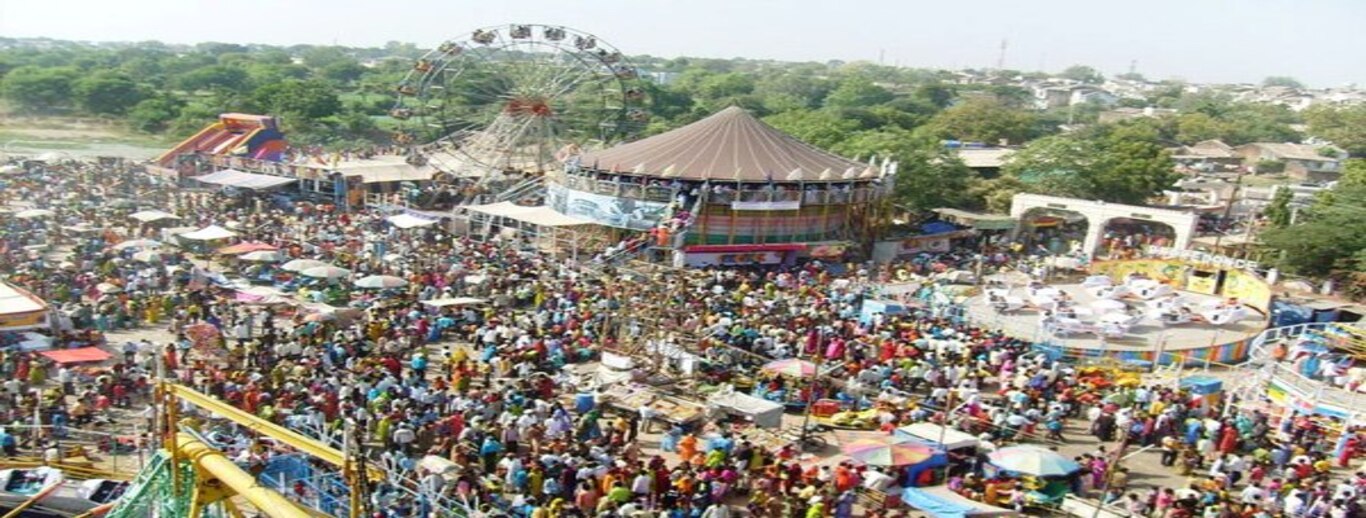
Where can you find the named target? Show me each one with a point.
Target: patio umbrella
(1032, 460)
(888, 451)
(138, 243)
(33, 213)
(148, 256)
(379, 282)
(263, 256)
(299, 265)
(326, 272)
(791, 367)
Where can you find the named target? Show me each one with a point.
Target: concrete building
(1302, 161)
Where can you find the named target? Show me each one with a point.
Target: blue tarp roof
(937, 227)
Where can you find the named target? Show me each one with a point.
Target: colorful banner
(606, 210)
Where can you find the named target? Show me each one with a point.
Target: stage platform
(1189, 343)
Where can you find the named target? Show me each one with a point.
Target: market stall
(764, 413)
(21, 310)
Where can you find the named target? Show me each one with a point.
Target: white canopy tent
(406, 221)
(148, 216)
(953, 439)
(239, 179)
(21, 310)
(541, 225)
(209, 233)
(539, 215)
(453, 301)
(764, 413)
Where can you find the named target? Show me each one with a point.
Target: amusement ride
(517, 98)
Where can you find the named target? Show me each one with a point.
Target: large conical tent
(731, 146)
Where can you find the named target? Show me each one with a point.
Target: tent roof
(209, 233)
(453, 301)
(538, 215)
(941, 502)
(14, 300)
(730, 145)
(409, 221)
(81, 355)
(148, 216)
(235, 178)
(930, 432)
(385, 168)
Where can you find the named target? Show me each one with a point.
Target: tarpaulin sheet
(81, 355)
(239, 179)
(941, 502)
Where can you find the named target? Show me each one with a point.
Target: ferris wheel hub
(529, 106)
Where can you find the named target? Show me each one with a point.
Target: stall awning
(20, 309)
(409, 221)
(81, 355)
(239, 179)
(977, 220)
(539, 215)
(737, 249)
(941, 502)
(209, 233)
(931, 433)
(148, 216)
(453, 301)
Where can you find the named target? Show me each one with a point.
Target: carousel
(745, 192)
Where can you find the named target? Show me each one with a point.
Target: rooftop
(730, 145)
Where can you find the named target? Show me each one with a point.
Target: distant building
(1302, 161)
(986, 162)
(1206, 156)
(1055, 96)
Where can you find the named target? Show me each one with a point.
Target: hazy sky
(1320, 42)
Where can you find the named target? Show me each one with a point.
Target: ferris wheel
(520, 97)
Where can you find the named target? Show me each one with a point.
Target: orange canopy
(81, 355)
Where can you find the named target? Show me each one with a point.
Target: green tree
(1343, 126)
(38, 89)
(1285, 81)
(155, 114)
(983, 120)
(857, 92)
(1353, 173)
(1122, 163)
(344, 72)
(1195, 127)
(321, 57)
(1326, 239)
(820, 128)
(212, 77)
(107, 93)
(928, 176)
(1082, 73)
(308, 99)
(1278, 211)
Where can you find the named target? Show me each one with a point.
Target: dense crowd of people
(491, 388)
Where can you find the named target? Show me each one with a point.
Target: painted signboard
(606, 210)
